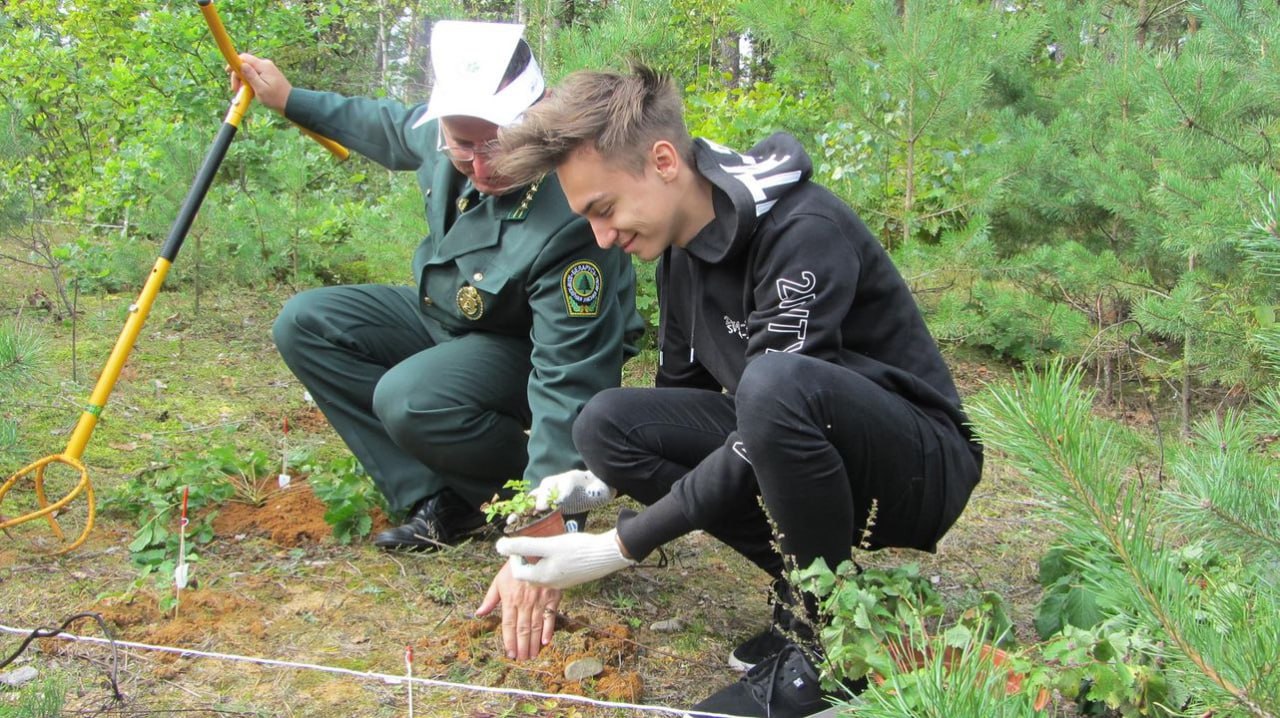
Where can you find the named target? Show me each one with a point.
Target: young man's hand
(528, 613)
(269, 84)
(565, 560)
(575, 492)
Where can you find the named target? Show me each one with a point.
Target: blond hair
(620, 116)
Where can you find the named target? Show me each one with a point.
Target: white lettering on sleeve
(793, 296)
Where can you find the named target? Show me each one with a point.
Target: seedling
(520, 510)
(520, 505)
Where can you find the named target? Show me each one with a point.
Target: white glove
(575, 492)
(565, 560)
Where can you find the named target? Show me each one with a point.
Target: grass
(42, 698)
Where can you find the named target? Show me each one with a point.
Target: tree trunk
(75, 339)
(909, 188)
(1106, 359)
(1143, 19)
(418, 83)
(1185, 403)
(195, 277)
(381, 54)
(1187, 339)
(731, 58)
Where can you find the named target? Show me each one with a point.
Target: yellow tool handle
(228, 50)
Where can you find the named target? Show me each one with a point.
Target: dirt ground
(303, 626)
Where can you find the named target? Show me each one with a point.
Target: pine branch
(1191, 123)
(1155, 13)
(1045, 423)
(1242, 528)
(13, 364)
(20, 353)
(1226, 492)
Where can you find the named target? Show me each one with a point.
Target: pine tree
(1188, 560)
(910, 85)
(20, 348)
(1159, 153)
(21, 359)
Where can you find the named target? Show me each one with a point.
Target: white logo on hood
(757, 176)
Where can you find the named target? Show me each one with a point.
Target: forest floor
(334, 619)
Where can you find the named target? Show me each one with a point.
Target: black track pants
(820, 443)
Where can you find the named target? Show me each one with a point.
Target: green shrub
(348, 495)
(886, 626)
(740, 117)
(154, 499)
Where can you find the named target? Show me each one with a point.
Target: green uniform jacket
(520, 265)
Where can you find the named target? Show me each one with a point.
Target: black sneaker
(758, 649)
(785, 686)
(437, 521)
(767, 643)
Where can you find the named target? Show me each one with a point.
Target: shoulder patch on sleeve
(581, 285)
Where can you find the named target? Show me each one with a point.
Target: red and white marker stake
(180, 569)
(408, 666)
(284, 479)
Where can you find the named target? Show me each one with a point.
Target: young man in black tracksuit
(795, 366)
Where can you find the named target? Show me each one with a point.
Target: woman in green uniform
(472, 376)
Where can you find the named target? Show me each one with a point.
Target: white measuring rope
(384, 677)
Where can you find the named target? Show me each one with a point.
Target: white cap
(469, 60)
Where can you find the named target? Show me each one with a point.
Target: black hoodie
(785, 266)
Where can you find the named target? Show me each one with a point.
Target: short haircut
(620, 116)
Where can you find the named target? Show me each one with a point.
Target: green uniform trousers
(422, 409)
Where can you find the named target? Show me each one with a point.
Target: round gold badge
(470, 303)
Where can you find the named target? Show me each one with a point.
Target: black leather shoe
(437, 521)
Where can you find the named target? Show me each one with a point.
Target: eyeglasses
(484, 150)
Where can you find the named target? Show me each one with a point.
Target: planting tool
(138, 312)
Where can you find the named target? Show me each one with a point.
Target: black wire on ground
(43, 632)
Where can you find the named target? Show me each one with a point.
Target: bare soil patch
(290, 517)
